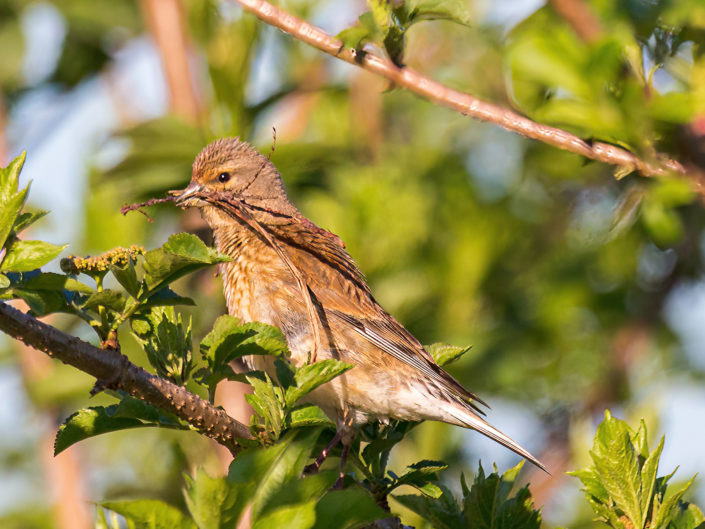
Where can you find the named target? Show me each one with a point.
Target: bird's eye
(223, 177)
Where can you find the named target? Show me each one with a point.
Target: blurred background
(579, 288)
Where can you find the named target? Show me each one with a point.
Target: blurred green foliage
(554, 270)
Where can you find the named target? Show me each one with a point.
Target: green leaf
(348, 509)
(42, 302)
(150, 514)
(129, 413)
(212, 502)
(648, 473)
(299, 516)
(53, 281)
(419, 475)
(4, 281)
(267, 402)
(165, 297)
(310, 376)
(488, 504)
(687, 516)
(444, 354)
(441, 513)
(11, 201)
(111, 299)
(127, 277)
(167, 341)
(27, 218)
(617, 465)
(230, 339)
(453, 10)
(308, 415)
(591, 482)
(669, 507)
(182, 254)
(354, 37)
(304, 489)
(267, 471)
(23, 256)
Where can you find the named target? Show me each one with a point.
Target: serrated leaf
(419, 475)
(617, 465)
(129, 413)
(150, 514)
(441, 512)
(648, 473)
(23, 256)
(182, 254)
(166, 339)
(230, 339)
(425, 468)
(488, 503)
(665, 513)
(268, 403)
(9, 176)
(348, 509)
(443, 354)
(591, 482)
(311, 376)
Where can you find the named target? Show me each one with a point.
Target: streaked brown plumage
(288, 272)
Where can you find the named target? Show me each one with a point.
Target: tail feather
(468, 419)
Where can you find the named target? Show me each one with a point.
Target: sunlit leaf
(129, 413)
(150, 514)
(23, 256)
(181, 255)
(309, 377)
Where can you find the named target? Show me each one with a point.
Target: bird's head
(232, 168)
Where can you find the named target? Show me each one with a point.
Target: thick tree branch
(464, 103)
(118, 372)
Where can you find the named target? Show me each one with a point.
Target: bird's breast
(258, 286)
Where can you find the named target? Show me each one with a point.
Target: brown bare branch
(464, 103)
(119, 373)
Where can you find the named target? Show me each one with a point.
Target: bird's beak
(184, 197)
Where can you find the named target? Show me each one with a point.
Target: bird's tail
(469, 419)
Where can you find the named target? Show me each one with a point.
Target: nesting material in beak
(184, 197)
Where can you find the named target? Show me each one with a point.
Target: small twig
(138, 207)
(464, 103)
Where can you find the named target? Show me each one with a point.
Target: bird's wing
(340, 288)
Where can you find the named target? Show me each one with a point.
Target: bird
(286, 271)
